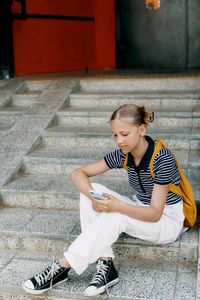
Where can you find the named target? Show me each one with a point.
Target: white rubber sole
(35, 292)
(102, 289)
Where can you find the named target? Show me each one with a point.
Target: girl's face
(127, 135)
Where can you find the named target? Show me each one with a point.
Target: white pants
(101, 230)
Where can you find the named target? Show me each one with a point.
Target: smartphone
(97, 195)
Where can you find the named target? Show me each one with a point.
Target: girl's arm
(80, 177)
(150, 213)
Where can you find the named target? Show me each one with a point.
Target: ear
(142, 129)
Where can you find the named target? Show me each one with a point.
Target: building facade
(45, 36)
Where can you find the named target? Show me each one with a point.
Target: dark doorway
(166, 38)
(6, 41)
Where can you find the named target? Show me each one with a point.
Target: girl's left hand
(110, 205)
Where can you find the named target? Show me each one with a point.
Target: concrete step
(111, 100)
(88, 116)
(13, 109)
(53, 231)
(35, 85)
(57, 192)
(30, 237)
(26, 94)
(27, 98)
(48, 166)
(51, 192)
(153, 279)
(7, 122)
(55, 163)
(142, 85)
(39, 211)
(100, 137)
(77, 155)
(69, 155)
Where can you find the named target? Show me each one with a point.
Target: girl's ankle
(64, 263)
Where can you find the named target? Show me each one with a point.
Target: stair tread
(52, 184)
(74, 155)
(37, 184)
(102, 111)
(142, 84)
(60, 186)
(78, 130)
(60, 224)
(28, 93)
(74, 158)
(38, 222)
(152, 279)
(134, 93)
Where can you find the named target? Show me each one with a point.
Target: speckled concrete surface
(138, 279)
(47, 126)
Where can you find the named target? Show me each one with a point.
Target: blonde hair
(137, 113)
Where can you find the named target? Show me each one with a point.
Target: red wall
(105, 33)
(45, 46)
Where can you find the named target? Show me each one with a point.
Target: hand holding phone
(96, 195)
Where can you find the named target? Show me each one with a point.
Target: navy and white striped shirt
(164, 167)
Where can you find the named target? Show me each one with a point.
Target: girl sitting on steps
(154, 214)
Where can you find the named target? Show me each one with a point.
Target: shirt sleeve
(115, 159)
(164, 167)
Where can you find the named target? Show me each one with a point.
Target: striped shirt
(164, 167)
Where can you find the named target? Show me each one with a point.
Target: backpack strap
(125, 162)
(158, 146)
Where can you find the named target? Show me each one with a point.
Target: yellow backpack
(185, 189)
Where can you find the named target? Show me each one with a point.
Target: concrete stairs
(49, 128)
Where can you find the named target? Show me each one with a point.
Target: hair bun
(149, 117)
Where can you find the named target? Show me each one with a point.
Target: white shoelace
(48, 273)
(101, 274)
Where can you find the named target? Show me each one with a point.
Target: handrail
(55, 17)
(24, 16)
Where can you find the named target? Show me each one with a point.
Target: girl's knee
(115, 220)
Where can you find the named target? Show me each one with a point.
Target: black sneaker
(46, 279)
(105, 277)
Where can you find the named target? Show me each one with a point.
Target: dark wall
(193, 33)
(166, 38)
(6, 44)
